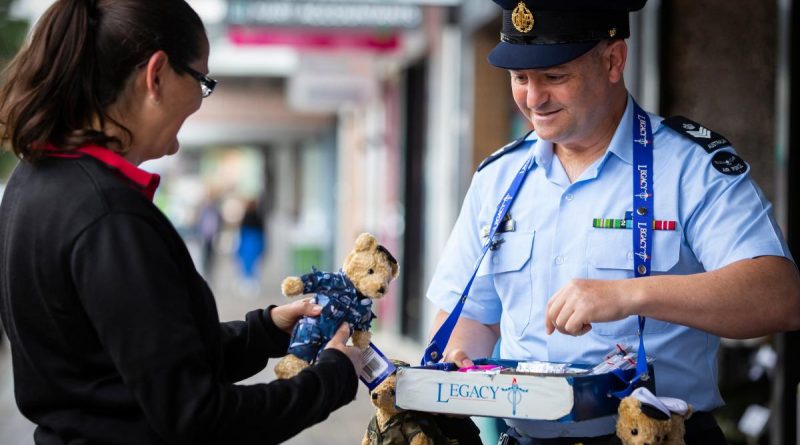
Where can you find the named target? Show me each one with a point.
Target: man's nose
(536, 95)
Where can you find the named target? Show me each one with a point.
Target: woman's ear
(154, 75)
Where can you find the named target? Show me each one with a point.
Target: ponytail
(77, 62)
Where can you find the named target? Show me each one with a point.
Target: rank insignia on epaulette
(709, 140)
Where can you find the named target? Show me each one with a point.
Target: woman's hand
(339, 342)
(286, 316)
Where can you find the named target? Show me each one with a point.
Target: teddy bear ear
(628, 406)
(395, 270)
(366, 242)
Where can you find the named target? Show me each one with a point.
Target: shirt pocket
(509, 269)
(610, 257)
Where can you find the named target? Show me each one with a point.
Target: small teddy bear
(647, 419)
(394, 426)
(345, 296)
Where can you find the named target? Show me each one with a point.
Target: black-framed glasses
(207, 84)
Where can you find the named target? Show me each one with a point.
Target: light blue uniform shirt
(720, 219)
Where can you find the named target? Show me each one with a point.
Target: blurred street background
(336, 117)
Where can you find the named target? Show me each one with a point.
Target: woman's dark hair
(77, 62)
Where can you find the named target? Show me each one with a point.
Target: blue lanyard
(642, 236)
(433, 352)
(642, 224)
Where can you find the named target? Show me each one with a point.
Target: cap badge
(522, 18)
(612, 32)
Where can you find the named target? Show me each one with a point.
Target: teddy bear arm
(292, 286)
(361, 339)
(365, 440)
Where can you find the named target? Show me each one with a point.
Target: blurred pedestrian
(252, 245)
(209, 225)
(115, 337)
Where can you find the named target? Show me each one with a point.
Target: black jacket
(116, 338)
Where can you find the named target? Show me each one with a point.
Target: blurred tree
(12, 34)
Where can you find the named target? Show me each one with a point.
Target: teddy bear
(394, 426)
(647, 419)
(345, 296)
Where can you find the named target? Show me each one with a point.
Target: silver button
(569, 196)
(559, 260)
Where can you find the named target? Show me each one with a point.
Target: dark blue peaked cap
(545, 33)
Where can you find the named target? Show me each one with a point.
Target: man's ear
(154, 74)
(615, 57)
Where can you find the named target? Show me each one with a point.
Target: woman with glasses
(115, 337)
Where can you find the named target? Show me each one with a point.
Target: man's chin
(546, 132)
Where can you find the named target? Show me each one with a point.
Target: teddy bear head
(383, 396)
(370, 267)
(647, 420)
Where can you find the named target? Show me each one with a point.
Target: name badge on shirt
(507, 225)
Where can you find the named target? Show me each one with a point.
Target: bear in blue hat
(545, 33)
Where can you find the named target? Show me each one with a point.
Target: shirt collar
(621, 144)
(145, 182)
(542, 151)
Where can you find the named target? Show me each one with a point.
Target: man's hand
(574, 308)
(459, 357)
(286, 316)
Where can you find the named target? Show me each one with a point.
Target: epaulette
(725, 162)
(702, 136)
(508, 148)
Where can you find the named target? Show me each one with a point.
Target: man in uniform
(565, 278)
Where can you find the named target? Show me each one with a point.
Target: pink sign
(305, 38)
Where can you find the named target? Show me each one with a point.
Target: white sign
(499, 395)
(330, 14)
(326, 82)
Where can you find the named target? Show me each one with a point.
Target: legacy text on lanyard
(642, 222)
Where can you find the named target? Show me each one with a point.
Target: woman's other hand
(287, 315)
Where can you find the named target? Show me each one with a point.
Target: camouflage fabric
(404, 426)
(340, 302)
